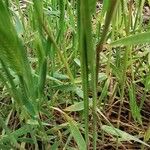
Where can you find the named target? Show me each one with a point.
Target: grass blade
(141, 38)
(123, 135)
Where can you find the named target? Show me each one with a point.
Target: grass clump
(74, 75)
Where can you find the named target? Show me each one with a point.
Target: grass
(74, 76)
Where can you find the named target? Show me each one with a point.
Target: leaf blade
(140, 38)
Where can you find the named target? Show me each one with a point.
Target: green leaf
(140, 38)
(42, 77)
(123, 135)
(135, 110)
(26, 140)
(149, 58)
(16, 134)
(102, 77)
(105, 7)
(104, 90)
(65, 87)
(38, 5)
(18, 25)
(77, 106)
(60, 76)
(92, 4)
(147, 83)
(3, 146)
(147, 135)
(79, 92)
(77, 61)
(55, 145)
(76, 134)
(74, 130)
(12, 51)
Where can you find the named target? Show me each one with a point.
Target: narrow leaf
(74, 130)
(135, 110)
(77, 106)
(140, 38)
(76, 134)
(92, 4)
(123, 135)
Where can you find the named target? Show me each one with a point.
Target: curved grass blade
(12, 52)
(79, 106)
(140, 38)
(74, 130)
(123, 135)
